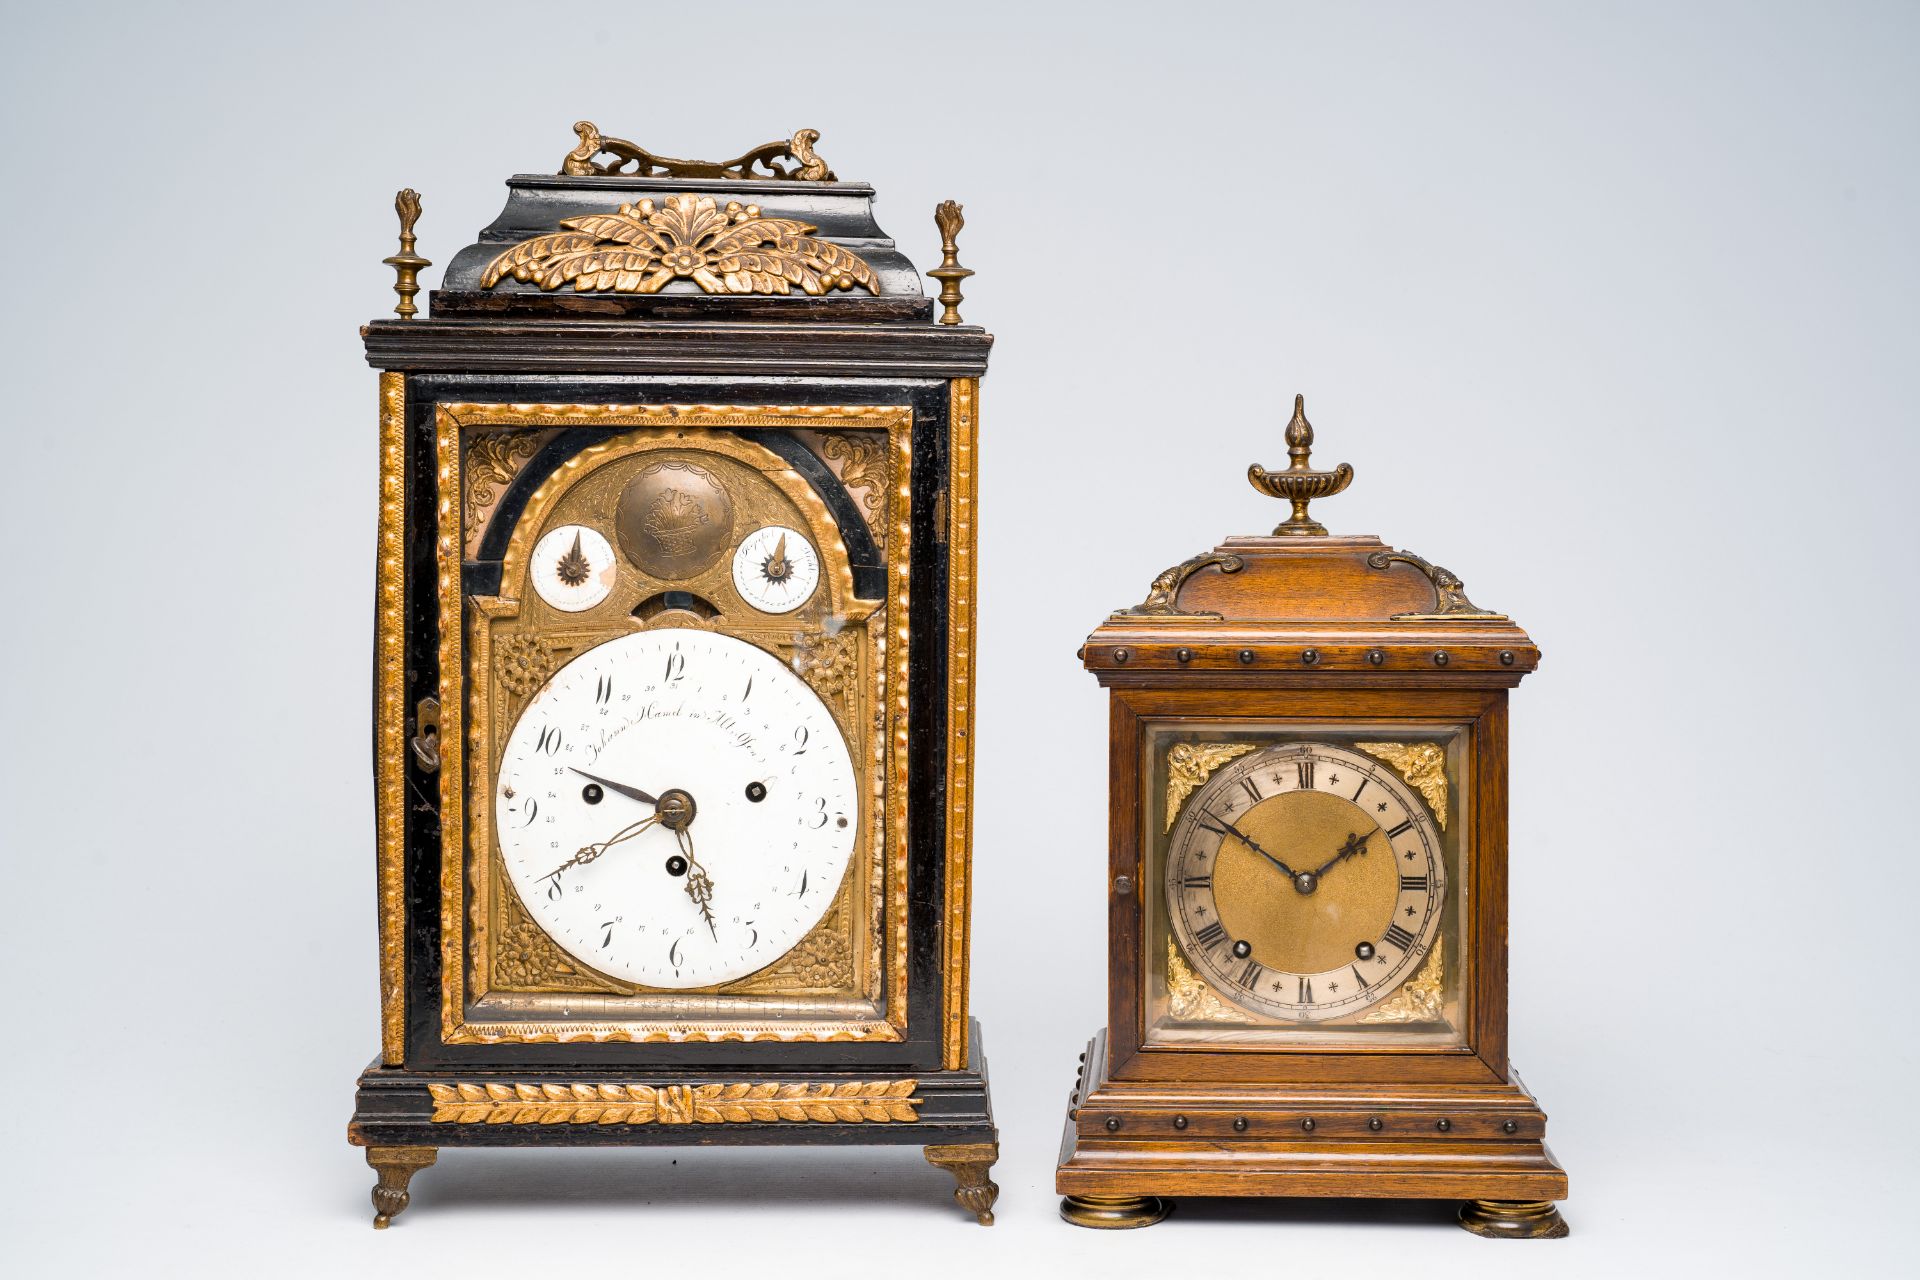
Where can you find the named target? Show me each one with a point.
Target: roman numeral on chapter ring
(1197, 882)
(1305, 991)
(1398, 937)
(1250, 976)
(1413, 884)
(1210, 936)
(1400, 830)
(1305, 771)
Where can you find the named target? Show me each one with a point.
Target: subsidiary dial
(573, 568)
(775, 569)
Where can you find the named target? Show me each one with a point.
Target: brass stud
(1376, 1124)
(1506, 657)
(1376, 656)
(1113, 1124)
(1440, 658)
(1509, 1127)
(1183, 654)
(1246, 656)
(1310, 656)
(1239, 1124)
(1445, 1126)
(1122, 885)
(1121, 655)
(1307, 1124)
(1179, 1122)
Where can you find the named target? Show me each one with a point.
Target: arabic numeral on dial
(676, 666)
(603, 690)
(553, 887)
(800, 736)
(819, 812)
(549, 740)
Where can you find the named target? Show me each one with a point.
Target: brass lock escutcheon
(426, 734)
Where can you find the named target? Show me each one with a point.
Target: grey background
(1611, 307)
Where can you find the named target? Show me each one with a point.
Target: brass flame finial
(1299, 483)
(946, 216)
(407, 264)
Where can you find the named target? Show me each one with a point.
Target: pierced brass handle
(426, 735)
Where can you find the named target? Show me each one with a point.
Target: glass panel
(1305, 884)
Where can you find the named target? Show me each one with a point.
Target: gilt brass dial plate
(1305, 882)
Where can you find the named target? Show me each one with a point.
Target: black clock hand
(587, 853)
(1355, 844)
(633, 793)
(1249, 841)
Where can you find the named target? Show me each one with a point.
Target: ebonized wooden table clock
(674, 675)
(1307, 887)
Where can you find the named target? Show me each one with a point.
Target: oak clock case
(1307, 887)
(673, 675)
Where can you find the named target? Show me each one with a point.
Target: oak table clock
(674, 675)
(1307, 887)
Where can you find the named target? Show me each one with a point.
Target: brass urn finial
(407, 264)
(1299, 483)
(946, 216)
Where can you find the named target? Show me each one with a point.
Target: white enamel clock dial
(1305, 881)
(676, 808)
(775, 569)
(573, 568)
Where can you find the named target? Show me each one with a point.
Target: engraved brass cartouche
(1299, 484)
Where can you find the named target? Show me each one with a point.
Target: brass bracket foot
(395, 1166)
(969, 1163)
(1513, 1219)
(1112, 1213)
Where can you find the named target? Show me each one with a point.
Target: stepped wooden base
(1135, 1141)
(398, 1120)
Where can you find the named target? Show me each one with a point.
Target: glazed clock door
(1306, 886)
(685, 823)
(1305, 882)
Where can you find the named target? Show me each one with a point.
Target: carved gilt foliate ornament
(855, 1102)
(1423, 765)
(644, 246)
(1189, 764)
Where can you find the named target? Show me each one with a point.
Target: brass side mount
(1299, 484)
(792, 160)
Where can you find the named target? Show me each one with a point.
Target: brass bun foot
(1114, 1213)
(1513, 1219)
(395, 1167)
(969, 1164)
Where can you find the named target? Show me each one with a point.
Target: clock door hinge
(940, 517)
